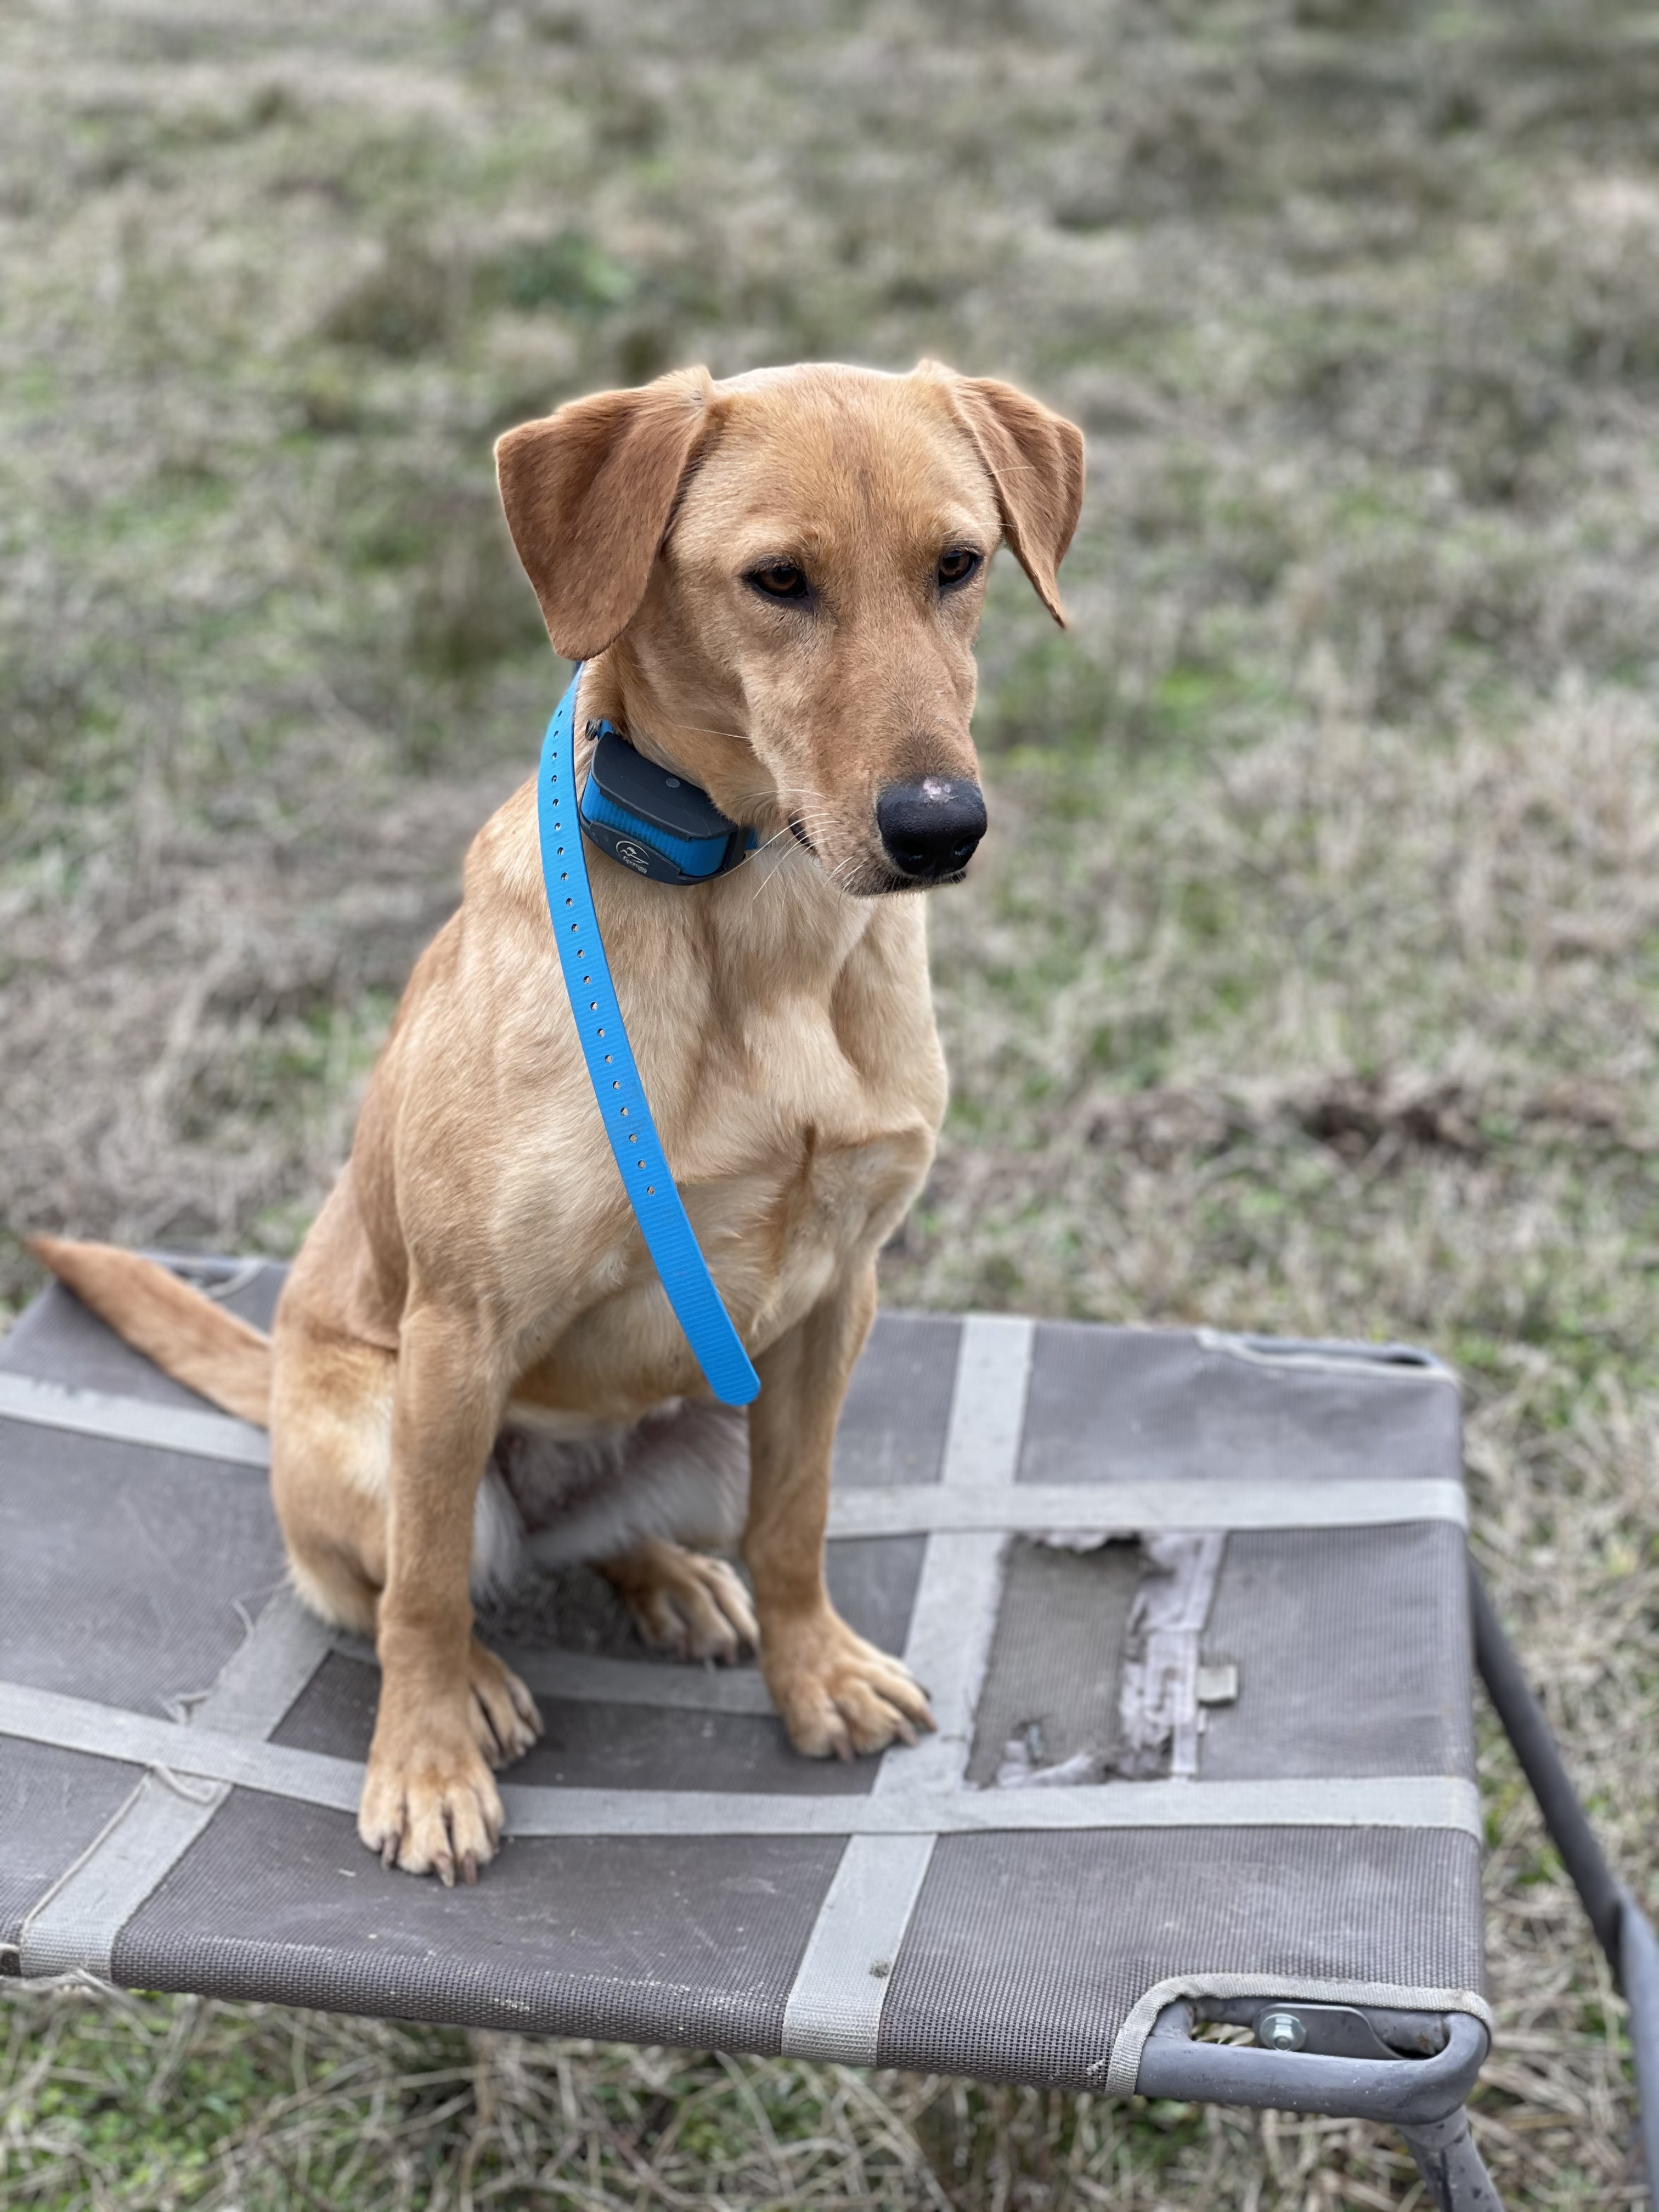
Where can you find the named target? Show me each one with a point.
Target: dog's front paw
(435, 1809)
(838, 1694)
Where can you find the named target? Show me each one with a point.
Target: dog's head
(786, 572)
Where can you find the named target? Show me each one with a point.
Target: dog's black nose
(931, 829)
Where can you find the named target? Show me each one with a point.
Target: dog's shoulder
(504, 860)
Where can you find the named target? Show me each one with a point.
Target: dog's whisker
(840, 874)
(702, 729)
(767, 875)
(760, 851)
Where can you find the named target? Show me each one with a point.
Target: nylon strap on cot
(668, 1233)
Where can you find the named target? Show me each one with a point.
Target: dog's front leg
(429, 1800)
(835, 1692)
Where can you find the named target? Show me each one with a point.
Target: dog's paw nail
(469, 1869)
(389, 1853)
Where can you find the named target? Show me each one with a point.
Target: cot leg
(1622, 1928)
(1451, 2166)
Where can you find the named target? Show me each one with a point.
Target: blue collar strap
(658, 825)
(668, 1234)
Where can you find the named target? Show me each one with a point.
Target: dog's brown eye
(957, 566)
(780, 579)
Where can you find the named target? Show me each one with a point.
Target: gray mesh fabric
(52, 1804)
(589, 1746)
(649, 1942)
(1344, 1664)
(1025, 1953)
(893, 1422)
(872, 1580)
(121, 1568)
(1057, 1658)
(1120, 1402)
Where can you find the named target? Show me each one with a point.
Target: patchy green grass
(1311, 979)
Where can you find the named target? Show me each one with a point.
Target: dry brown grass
(1312, 980)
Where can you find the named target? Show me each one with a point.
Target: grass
(1310, 980)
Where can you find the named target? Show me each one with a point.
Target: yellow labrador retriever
(775, 581)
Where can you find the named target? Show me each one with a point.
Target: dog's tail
(187, 1335)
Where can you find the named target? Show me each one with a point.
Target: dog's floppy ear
(1033, 459)
(588, 493)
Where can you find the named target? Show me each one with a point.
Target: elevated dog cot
(1194, 1612)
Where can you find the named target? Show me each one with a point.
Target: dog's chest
(804, 1156)
(799, 1090)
